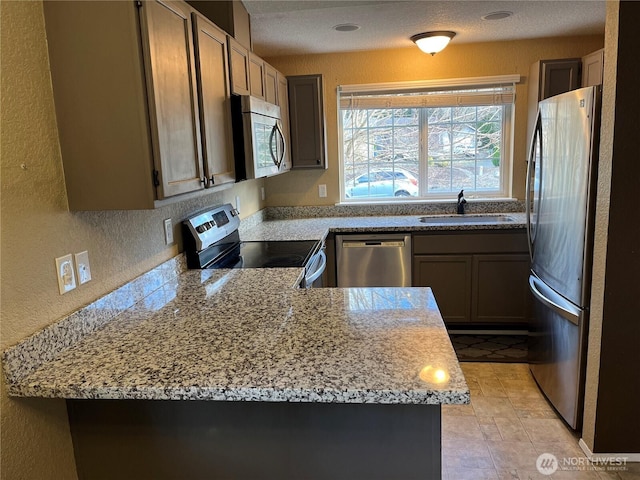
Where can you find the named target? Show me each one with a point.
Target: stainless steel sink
(461, 219)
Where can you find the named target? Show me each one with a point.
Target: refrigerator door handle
(554, 301)
(530, 184)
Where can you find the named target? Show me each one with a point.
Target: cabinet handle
(208, 182)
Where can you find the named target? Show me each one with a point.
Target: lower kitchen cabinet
(478, 279)
(449, 276)
(500, 289)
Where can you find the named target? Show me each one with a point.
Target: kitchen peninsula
(338, 381)
(237, 371)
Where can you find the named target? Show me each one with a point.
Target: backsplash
(44, 345)
(285, 213)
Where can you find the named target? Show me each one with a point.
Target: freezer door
(565, 176)
(557, 350)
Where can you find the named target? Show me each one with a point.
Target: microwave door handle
(271, 146)
(284, 144)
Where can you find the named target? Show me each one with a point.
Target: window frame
(507, 138)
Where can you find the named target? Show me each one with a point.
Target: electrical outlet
(168, 232)
(322, 190)
(65, 274)
(82, 267)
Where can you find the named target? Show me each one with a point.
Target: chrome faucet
(461, 202)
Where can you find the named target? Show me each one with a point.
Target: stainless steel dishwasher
(373, 260)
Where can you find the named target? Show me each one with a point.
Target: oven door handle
(318, 271)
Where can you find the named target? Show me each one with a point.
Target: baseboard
(630, 457)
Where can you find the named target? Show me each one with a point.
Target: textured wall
(37, 227)
(456, 61)
(602, 222)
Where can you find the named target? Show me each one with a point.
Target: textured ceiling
(295, 27)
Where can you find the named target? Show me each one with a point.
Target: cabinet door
(213, 94)
(171, 81)
(256, 76)
(271, 84)
(500, 288)
(546, 79)
(593, 68)
(449, 276)
(559, 76)
(283, 102)
(239, 66)
(306, 108)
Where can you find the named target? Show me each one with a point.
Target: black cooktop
(267, 255)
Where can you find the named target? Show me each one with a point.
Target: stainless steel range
(212, 240)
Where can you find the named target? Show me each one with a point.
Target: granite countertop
(249, 335)
(318, 228)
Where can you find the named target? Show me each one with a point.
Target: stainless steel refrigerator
(561, 187)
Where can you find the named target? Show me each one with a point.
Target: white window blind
(467, 92)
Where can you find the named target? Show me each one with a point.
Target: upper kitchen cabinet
(306, 108)
(214, 104)
(548, 78)
(172, 96)
(229, 15)
(271, 84)
(593, 68)
(126, 95)
(239, 68)
(256, 76)
(551, 77)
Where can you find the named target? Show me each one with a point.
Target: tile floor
(506, 427)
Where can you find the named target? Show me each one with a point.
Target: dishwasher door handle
(373, 243)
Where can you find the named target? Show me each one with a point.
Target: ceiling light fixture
(432, 42)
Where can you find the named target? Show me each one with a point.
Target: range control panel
(213, 225)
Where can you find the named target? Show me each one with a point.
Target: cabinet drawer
(513, 241)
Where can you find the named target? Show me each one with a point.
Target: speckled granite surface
(318, 228)
(44, 345)
(247, 335)
(168, 333)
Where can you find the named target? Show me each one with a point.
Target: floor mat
(489, 348)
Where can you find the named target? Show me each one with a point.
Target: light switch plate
(65, 273)
(322, 190)
(83, 269)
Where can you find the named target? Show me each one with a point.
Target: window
(426, 140)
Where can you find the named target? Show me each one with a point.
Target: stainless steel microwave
(259, 143)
